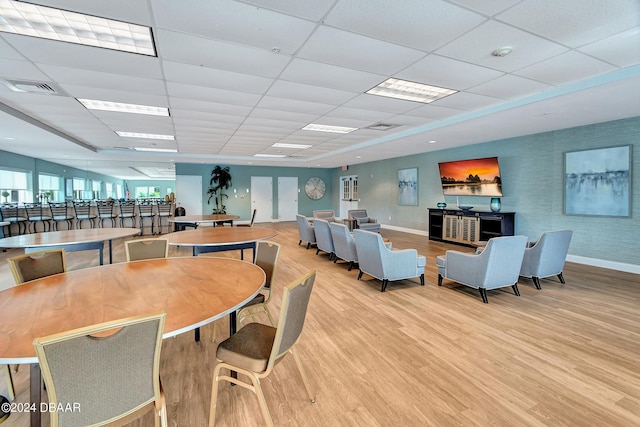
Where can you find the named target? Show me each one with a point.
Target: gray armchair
(306, 231)
(497, 266)
(344, 244)
(377, 260)
(327, 215)
(546, 256)
(324, 241)
(364, 221)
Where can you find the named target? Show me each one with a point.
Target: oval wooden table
(195, 220)
(71, 240)
(192, 291)
(219, 239)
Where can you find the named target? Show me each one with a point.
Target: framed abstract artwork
(598, 182)
(408, 187)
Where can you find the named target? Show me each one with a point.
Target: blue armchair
(385, 264)
(344, 244)
(324, 241)
(364, 221)
(546, 256)
(306, 231)
(497, 266)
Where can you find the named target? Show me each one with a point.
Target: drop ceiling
(240, 76)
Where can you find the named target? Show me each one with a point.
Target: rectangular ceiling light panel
(145, 135)
(156, 150)
(56, 24)
(286, 145)
(93, 104)
(328, 128)
(410, 91)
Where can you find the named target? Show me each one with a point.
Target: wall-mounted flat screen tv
(474, 177)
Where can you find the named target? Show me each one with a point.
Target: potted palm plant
(219, 182)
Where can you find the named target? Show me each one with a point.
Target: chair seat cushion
(249, 348)
(364, 219)
(441, 260)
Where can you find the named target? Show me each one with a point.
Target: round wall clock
(315, 188)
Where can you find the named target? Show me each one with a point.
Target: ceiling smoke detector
(503, 51)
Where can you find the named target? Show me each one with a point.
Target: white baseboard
(594, 262)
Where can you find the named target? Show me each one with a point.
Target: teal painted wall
(241, 180)
(532, 169)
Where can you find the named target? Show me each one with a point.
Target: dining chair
(35, 265)
(255, 349)
(253, 219)
(106, 371)
(38, 212)
(164, 211)
(83, 211)
(60, 212)
(150, 248)
(146, 210)
(11, 214)
(127, 210)
(106, 212)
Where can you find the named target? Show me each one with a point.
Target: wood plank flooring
(567, 355)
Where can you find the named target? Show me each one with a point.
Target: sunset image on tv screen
(475, 177)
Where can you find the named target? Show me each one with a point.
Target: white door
(348, 194)
(287, 198)
(262, 198)
(189, 193)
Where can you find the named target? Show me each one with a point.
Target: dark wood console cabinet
(466, 227)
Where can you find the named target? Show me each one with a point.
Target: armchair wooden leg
(439, 279)
(299, 241)
(360, 275)
(350, 265)
(516, 290)
(536, 282)
(385, 282)
(308, 245)
(483, 294)
(422, 279)
(561, 277)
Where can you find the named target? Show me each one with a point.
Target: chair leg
(385, 282)
(516, 290)
(303, 374)
(308, 245)
(536, 282)
(439, 279)
(350, 265)
(299, 241)
(561, 277)
(214, 397)
(360, 275)
(422, 279)
(483, 294)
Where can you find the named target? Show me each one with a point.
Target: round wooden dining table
(195, 220)
(193, 291)
(217, 239)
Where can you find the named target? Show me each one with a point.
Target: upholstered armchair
(546, 256)
(497, 266)
(327, 215)
(324, 241)
(344, 244)
(364, 221)
(385, 264)
(306, 231)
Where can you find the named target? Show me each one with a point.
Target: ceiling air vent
(45, 88)
(382, 126)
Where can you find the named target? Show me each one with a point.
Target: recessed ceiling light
(285, 145)
(57, 24)
(328, 128)
(269, 155)
(156, 150)
(432, 142)
(145, 135)
(120, 107)
(410, 91)
(503, 51)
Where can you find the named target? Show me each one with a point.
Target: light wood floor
(416, 356)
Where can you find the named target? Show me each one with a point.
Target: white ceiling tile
(467, 101)
(382, 103)
(414, 23)
(283, 115)
(432, 111)
(476, 47)
(574, 22)
(212, 94)
(331, 76)
(21, 70)
(182, 115)
(489, 8)
(302, 92)
(294, 105)
(360, 114)
(188, 49)
(565, 68)
(120, 10)
(209, 107)
(7, 51)
(233, 21)
(509, 87)
(448, 73)
(309, 10)
(358, 52)
(210, 77)
(88, 92)
(622, 49)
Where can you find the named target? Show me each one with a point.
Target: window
(50, 188)
(109, 189)
(96, 187)
(146, 192)
(119, 191)
(15, 186)
(78, 188)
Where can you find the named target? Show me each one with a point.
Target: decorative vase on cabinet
(495, 204)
